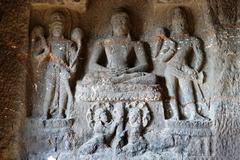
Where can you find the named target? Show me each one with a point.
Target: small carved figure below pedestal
(117, 129)
(138, 118)
(105, 122)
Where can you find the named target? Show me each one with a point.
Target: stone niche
(116, 80)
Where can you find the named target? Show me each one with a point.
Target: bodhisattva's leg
(62, 98)
(70, 102)
(186, 87)
(171, 82)
(50, 88)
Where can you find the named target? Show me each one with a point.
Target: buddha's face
(120, 25)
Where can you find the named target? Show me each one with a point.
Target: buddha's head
(120, 24)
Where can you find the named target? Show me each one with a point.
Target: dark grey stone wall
(13, 74)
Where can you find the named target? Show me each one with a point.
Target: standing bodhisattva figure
(62, 55)
(183, 68)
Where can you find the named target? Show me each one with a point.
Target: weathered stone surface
(13, 72)
(140, 80)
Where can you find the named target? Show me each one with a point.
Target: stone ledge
(199, 158)
(50, 124)
(80, 6)
(194, 128)
(189, 124)
(117, 92)
(170, 1)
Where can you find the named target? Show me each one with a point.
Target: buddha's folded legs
(142, 78)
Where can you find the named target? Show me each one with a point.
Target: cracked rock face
(93, 79)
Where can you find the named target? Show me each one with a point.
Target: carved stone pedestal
(48, 137)
(129, 110)
(117, 92)
(193, 139)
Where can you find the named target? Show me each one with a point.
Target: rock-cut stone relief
(117, 128)
(122, 53)
(123, 98)
(181, 70)
(62, 57)
(105, 121)
(138, 119)
(124, 74)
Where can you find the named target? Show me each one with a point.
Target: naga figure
(105, 121)
(39, 47)
(62, 55)
(183, 68)
(138, 119)
(126, 59)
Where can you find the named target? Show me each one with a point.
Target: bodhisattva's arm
(167, 51)
(93, 63)
(141, 57)
(39, 47)
(156, 46)
(198, 54)
(111, 130)
(72, 58)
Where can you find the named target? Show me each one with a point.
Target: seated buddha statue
(126, 61)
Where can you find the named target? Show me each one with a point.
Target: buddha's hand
(118, 71)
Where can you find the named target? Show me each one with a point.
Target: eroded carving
(121, 53)
(123, 92)
(39, 46)
(105, 121)
(163, 49)
(180, 72)
(138, 119)
(61, 55)
(117, 127)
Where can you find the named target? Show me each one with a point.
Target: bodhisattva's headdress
(179, 19)
(56, 19)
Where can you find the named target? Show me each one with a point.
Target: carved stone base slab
(51, 123)
(49, 135)
(193, 138)
(118, 92)
(80, 5)
(196, 128)
(146, 156)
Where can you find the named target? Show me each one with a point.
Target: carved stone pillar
(14, 23)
